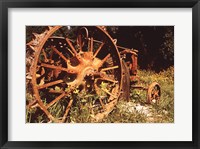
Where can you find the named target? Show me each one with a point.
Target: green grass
(161, 112)
(134, 111)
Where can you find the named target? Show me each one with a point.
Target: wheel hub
(87, 67)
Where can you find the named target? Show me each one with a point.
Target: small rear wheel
(153, 93)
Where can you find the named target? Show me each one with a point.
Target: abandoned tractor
(89, 63)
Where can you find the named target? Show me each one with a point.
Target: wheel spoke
(69, 70)
(45, 55)
(109, 68)
(108, 79)
(60, 54)
(42, 71)
(105, 90)
(95, 54)
(31, 104)
(55, 100)
(70, 51)
(54, 67)
(97, 91)
(80, 42)
(67, 110)
(91, 45)
(156, 94)
(49, 84)
(102, 104)
(71, 46)
(103, 61)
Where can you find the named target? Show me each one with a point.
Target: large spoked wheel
(68, 68)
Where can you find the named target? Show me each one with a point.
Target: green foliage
(166, 50)
(82, 111)
(161, 112)
(134, 111)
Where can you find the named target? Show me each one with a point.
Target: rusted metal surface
(69, 65)
(153, 92)
(132, 64)
(64, 65)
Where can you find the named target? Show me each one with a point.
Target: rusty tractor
(65, 65)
